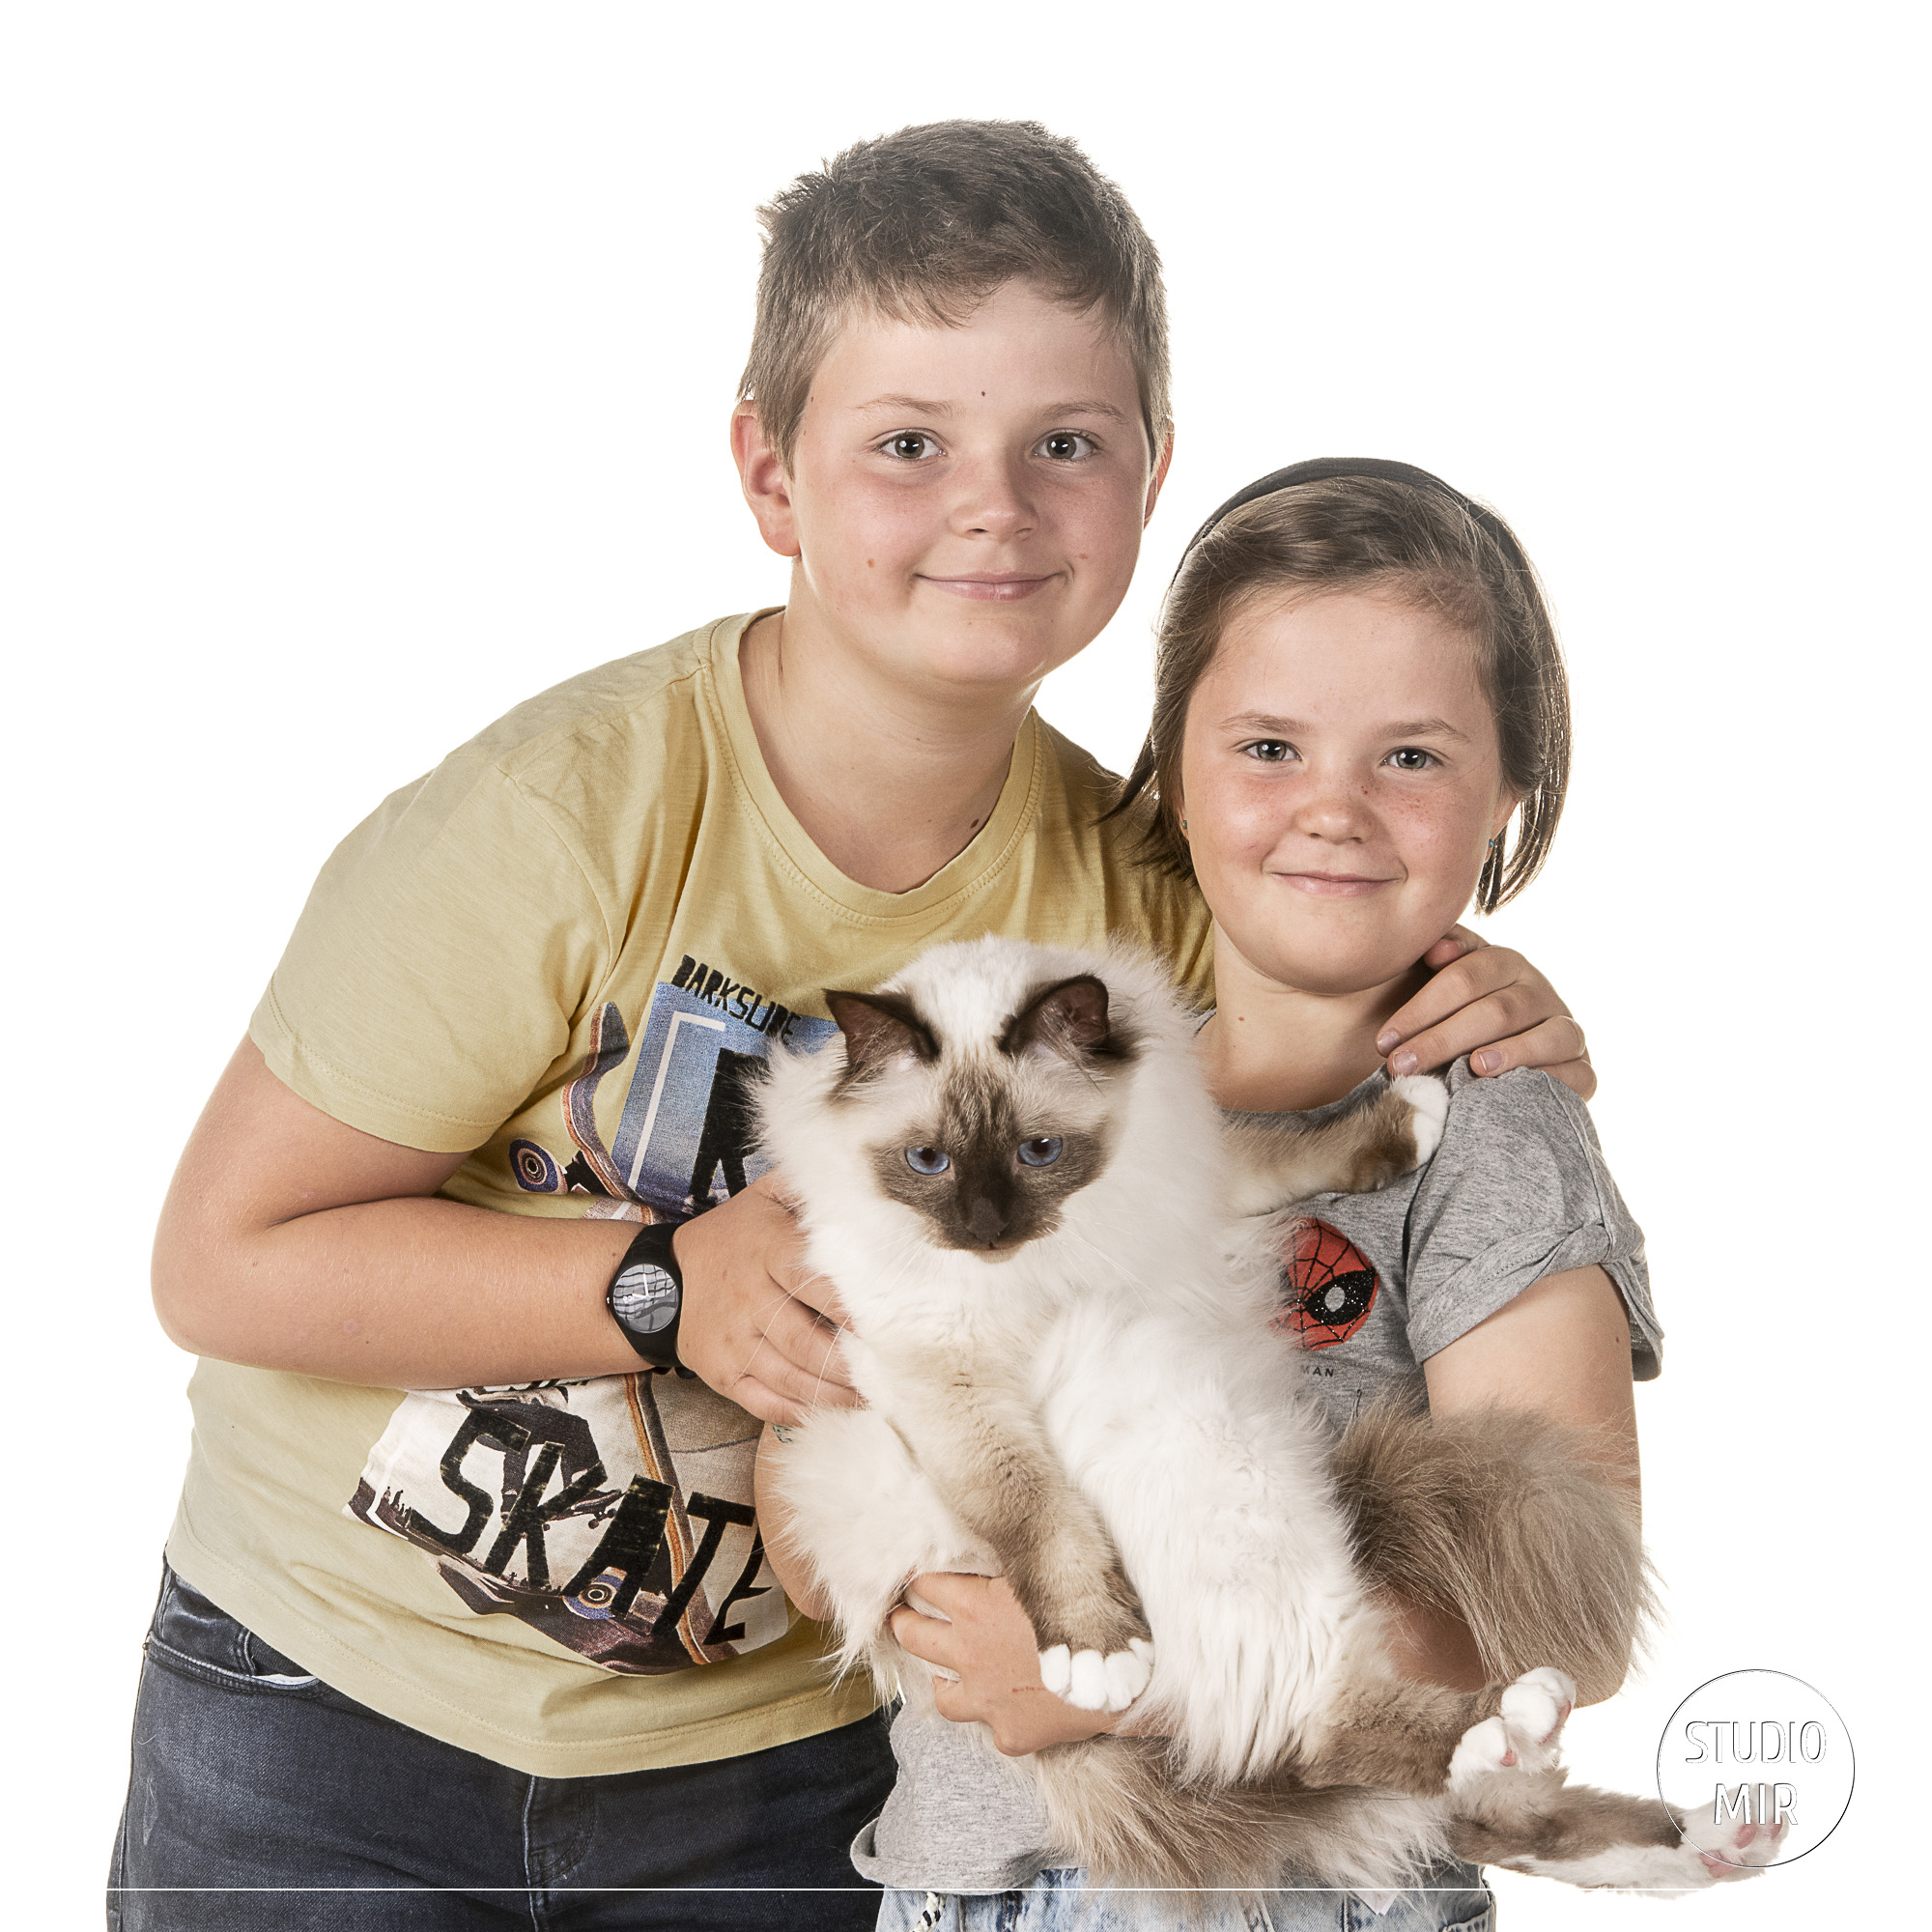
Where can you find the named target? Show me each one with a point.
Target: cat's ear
(880, 1028)
(1069, 1017)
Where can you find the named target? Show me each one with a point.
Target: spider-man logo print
(1328, 1287)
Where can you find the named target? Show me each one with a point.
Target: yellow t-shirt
(562, 949)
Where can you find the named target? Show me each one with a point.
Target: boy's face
(965, 504)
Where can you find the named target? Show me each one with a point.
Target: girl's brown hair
(1393, 531)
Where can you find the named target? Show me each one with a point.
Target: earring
(1183, 827)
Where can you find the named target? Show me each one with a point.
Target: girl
(1359, 690)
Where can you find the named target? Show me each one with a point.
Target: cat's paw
(1427, 1099)
(1523, 1734)
(1090, 1681)
(1717, 1850)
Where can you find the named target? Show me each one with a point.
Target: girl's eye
(1065, 445)
(1269, 751)
(911, 445)
(1412, 758)
(1040, 1152)
(927, 1159)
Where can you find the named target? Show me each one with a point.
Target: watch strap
(646, 1295)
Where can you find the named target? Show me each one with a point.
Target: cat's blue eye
(927, 1160)
(1040, 1152)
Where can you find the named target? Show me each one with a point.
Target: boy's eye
(1065, 445)
(927, 1159)
(911, 445)
(1412, 758)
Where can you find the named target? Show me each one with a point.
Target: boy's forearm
(788, 1565)
(402, 1293)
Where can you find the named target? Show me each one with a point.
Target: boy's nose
(992, 501)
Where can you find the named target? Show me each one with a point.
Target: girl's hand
(985, 1639)
(1491, 1004)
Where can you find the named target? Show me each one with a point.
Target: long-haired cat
(1009, 1165)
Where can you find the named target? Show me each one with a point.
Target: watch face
(644, 1298)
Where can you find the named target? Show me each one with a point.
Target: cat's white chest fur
(1108, 1385)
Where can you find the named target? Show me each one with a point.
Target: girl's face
(1341, 782)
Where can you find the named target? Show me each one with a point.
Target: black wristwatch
(646, 1298)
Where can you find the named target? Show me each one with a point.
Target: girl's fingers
(914, 1634)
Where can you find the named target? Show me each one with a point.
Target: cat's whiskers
(1139, 1285)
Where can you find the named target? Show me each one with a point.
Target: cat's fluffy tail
(1119, 1801)
(1507, 1520)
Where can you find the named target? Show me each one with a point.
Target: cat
(1009, 1165)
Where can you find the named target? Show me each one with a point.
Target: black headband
(1324, 468)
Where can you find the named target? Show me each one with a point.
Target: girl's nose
(1333, 805)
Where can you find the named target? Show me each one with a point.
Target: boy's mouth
(991, 585)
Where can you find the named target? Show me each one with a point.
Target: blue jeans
(249, 1773)
(1057, 1901)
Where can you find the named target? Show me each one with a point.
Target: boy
(515, 1639)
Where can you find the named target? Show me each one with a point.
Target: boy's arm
(793, 1573)
(1491, 1004)
(290, 1240)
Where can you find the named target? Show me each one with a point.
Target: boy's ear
(767, 487)
(1158, 477)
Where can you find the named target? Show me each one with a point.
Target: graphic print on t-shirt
(613, 1515)
(682, 1139)
(1327, 1286)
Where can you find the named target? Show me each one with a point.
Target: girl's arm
(1561, 1350)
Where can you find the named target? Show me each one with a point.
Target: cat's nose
(985, 1221)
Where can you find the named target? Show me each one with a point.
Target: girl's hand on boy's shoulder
(1490, 1003)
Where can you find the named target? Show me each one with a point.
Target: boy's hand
(989, 1645)
(1491, 1004)
(757, 1325)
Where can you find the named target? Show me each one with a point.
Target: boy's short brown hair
(922, 226)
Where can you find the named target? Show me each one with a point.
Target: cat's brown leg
(1397, 1736)
(1395, 1130)
(1604, 1839)
(984, 1452)
(1424, 1738)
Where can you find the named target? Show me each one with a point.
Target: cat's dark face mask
(997, 1150)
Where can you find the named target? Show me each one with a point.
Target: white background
(367, 369)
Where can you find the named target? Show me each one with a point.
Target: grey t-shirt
(1372, 1285)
